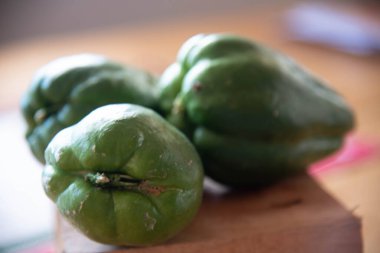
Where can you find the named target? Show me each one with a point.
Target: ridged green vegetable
(254, 115)
(67, 89)
(124, 176)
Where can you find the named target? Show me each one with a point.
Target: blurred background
(337, 40)
(30, 19)
(23, 19)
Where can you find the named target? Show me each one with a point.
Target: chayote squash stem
(112, 180)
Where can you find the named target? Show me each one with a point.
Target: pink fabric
(355, 149)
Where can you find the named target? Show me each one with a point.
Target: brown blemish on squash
(154, 190)
(197, 87)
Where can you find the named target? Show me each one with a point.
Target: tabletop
(154, 46)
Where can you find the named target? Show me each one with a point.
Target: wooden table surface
(294, 216)
(154, 46)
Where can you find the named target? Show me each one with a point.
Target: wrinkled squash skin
(124, 176)
(67, 89)
(254, 115)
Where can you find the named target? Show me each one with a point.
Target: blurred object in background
(24, 19)
(334, 27)
(312, 21)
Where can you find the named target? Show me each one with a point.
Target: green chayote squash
(124, 176)
(67, 89)
(254, 115)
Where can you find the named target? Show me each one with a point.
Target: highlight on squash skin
(124, 176)
(65, 90)
(254, 115)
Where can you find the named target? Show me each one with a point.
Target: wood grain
(294, 216)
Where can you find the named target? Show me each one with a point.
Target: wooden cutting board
(294, 216)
